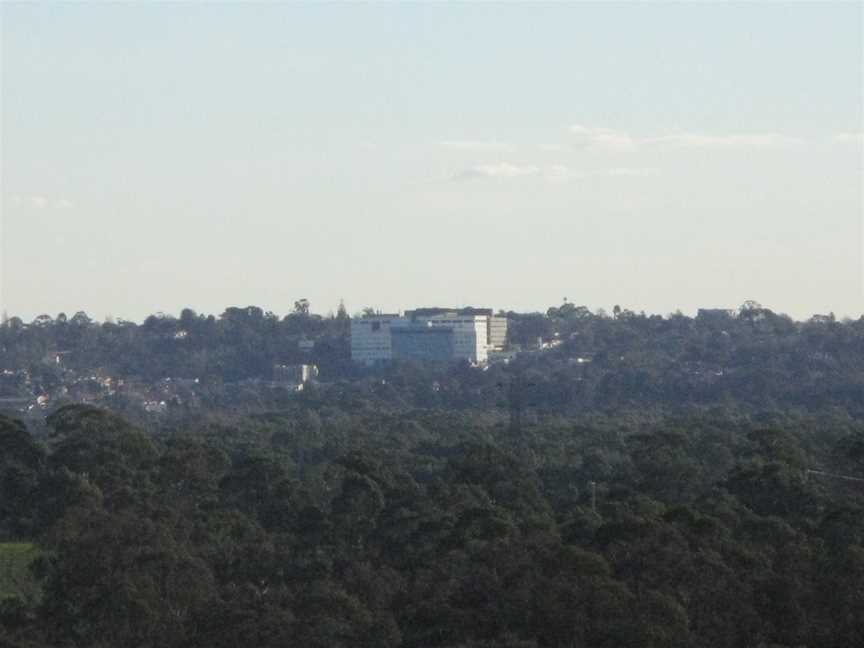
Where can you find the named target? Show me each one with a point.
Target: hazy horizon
(358, 312)
(661, 157)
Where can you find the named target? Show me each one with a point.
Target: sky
(658, 156)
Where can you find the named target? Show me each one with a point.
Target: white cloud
(612, 141)
(501, 170)
(552, 172)
(507, 171)
(735, 141)
(848, 138)
(40, 202)
(628, 172)
(477, 145)
(603, 139)
(561, 173)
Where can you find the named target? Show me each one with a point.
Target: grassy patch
(16, 580)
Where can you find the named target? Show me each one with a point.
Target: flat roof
(437, 310)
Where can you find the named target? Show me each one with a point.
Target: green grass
(16, 580)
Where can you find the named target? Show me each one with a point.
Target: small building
(305, 345)
(502, 356)
(299, 374)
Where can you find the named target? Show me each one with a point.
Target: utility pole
(515, 398)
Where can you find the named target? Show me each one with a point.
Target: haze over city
(660, 157)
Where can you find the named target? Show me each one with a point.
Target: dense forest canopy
(628, 481)
(330, 527)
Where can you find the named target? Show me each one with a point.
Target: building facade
(496, 325)
(432, 334)
(371, 341)
(497, 333)
(422, 342)
(294, 373)
(469, 335)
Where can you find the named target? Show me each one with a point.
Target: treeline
(241, 343)
(753, 358)
(325, 526)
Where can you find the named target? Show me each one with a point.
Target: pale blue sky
(661, 156)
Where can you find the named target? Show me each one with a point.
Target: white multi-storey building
(497, 328)
(370, 338)
(471, 335)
